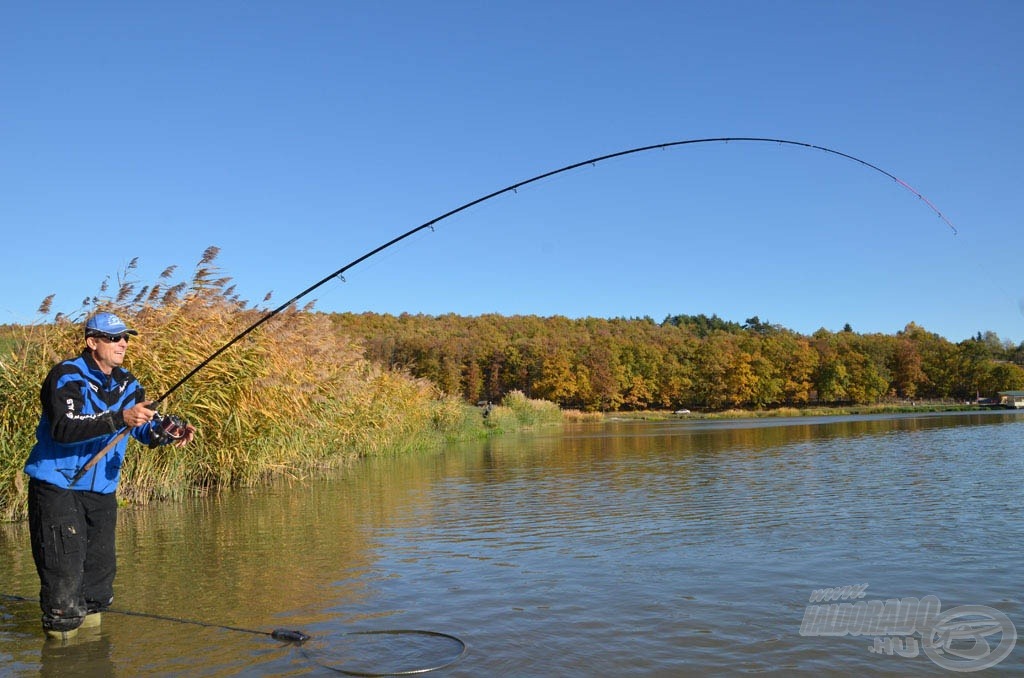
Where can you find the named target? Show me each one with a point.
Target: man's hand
(138, 414)
(173, 430)
(190, 434)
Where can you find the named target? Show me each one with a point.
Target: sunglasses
(110, 338)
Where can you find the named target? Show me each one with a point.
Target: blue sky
(298, 136)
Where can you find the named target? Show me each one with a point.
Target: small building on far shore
(1011, 400)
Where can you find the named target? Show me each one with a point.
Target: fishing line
(300, 638)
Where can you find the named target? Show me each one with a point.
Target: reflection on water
(633, 548)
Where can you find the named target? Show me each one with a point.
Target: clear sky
(296, 136)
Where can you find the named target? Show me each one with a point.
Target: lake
(630, 548)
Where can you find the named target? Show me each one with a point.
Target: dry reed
(291, 398)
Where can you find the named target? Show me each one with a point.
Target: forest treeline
(685, 361)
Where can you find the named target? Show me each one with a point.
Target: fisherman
(87, 403)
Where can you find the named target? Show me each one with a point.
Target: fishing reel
(167, 429)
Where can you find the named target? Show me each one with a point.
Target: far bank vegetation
(684, 361)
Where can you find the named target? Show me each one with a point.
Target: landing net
(393, 652)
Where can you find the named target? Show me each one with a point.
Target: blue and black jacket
(82, 412)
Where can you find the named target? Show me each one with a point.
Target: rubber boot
(63, 636)
(91, 620)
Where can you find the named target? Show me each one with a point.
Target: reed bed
(291, 398)
(516, 411)
(579, 416)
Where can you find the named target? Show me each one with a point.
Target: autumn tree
(684, 361)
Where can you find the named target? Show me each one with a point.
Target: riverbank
(889, 408)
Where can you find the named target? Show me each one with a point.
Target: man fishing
(89, 405)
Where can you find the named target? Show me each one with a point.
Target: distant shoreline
(816, 411)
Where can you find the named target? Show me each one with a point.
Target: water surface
(632, 548)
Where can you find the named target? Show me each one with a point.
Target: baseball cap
(106, 323)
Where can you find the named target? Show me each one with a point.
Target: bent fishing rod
(339, 274)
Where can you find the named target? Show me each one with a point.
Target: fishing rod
(510, 188)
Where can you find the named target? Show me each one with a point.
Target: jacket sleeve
(64, 402)
(145, 434)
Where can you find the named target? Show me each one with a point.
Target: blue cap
(106, 323)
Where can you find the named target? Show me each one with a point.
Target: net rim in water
(461, 652)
